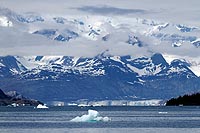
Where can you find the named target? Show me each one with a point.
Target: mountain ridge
(68, 79)
(100, 57)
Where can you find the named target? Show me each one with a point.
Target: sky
(17, 40)
(170, 10)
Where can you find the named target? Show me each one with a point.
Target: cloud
(18, 40)
(108, 10)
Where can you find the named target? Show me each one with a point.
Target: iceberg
(162, 112)
(40, 106)
(92, 116)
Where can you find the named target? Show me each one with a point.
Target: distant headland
(186, 100)
(14, 99)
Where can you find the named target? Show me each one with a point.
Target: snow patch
(134, 69)
(169, 58)
(177, 44)
(156, 28)
(14, 71)
(5, 22)
(194, 63)
(195, 68)
(149, 70)
(117, 59)
(75, 60)
(2, 65)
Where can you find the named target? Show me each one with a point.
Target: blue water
(123, 119)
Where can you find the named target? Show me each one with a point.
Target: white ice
(40, 106)
(162, 112)
(92, 116)
(5, 22)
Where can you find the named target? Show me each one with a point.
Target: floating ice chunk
(92, 116)
(83, 105)
(162, 112)
(40, 106)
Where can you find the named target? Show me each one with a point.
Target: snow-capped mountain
(102, 77)
(118, 69)
(30, 67)
(99, 28)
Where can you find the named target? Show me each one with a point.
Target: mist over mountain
(99, 51)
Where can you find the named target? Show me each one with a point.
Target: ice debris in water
(40, 106)
(92, 116)
(162, 112)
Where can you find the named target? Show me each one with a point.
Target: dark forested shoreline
(186, 100)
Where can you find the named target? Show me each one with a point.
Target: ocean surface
(123, 120)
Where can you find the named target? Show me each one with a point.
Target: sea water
(123, 119)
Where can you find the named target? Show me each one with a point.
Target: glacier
(144, 102)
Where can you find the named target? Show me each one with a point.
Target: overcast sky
(16, 41)
(170, 10)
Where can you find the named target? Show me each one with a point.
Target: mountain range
(63, 78)
(106, 75)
